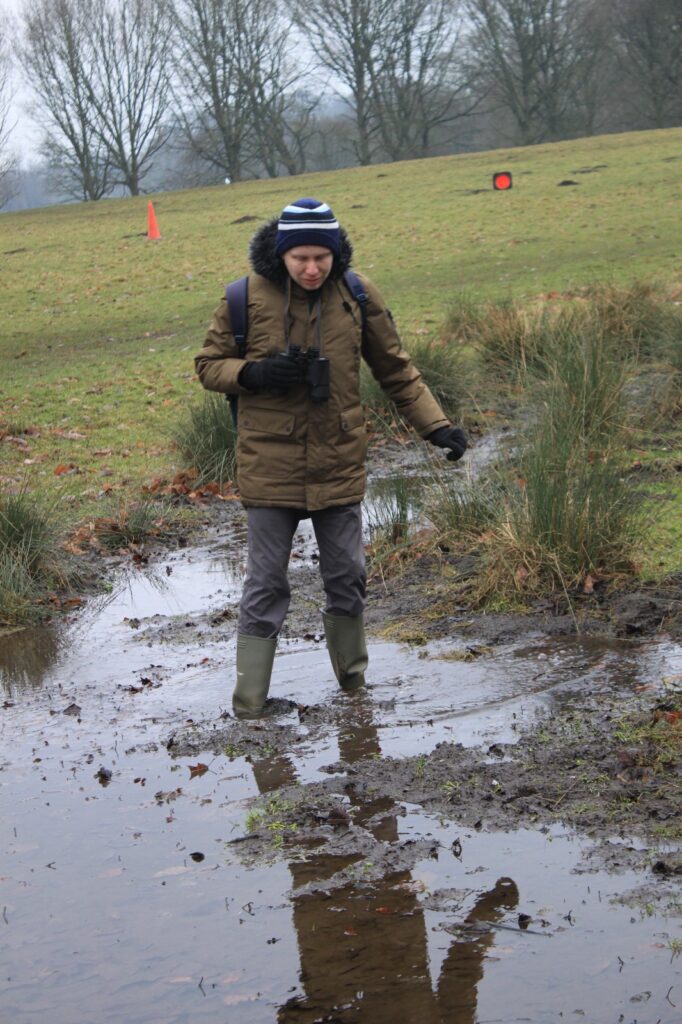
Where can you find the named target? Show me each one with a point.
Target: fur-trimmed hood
(266, 263)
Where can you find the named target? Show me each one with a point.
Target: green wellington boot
(345, 636)
(255, 656)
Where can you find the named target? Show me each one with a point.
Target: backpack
(237, 297)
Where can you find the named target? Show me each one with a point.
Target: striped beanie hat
(307, 222)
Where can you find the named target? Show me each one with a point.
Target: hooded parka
(293, 452)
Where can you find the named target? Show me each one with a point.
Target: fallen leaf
(197, 769)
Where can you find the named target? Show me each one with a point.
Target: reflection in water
(363, 948)
(26, 657)
(364, 956)
(186, 583)
(393, 508)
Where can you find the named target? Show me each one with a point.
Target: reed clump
(32, 559)
(207, 439)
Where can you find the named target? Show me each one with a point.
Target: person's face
(309, 265)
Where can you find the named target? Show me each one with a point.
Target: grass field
(99, 325)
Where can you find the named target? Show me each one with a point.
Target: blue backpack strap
(357, 290)
(237, 296)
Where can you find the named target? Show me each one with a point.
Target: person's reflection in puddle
(363, 947)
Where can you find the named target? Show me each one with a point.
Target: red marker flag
(502, 181)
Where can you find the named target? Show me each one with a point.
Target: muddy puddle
(154, 868)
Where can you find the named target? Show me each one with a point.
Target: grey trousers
(266, 593)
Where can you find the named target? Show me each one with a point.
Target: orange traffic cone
(152, 227)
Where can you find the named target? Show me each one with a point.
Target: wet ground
(409, 853)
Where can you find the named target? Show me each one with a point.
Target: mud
(489, 832)
(571, 765)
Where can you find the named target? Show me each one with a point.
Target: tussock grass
(18, 588)
(572, 516)
(132, 523)
(207, 439)
(572, 513)
(583, 375)
(569, 511)
(31, 559)
(28, 528)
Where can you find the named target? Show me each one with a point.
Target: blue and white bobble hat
(307, 222)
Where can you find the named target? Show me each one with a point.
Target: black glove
(452, 438)
(275, 373)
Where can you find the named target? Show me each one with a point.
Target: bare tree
(649, 36)
(594, 85)
(300, 128)
(211, 102)
(531, 51)
(7, 160)
(346, 37)
(418, 80)
(58, 62)
(278, 113)
(130, 89)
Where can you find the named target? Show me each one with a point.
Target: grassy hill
(99, 325)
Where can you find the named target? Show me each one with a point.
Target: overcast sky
(24, 136)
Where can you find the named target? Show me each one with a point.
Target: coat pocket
(267, 451)
(352, 418)
(351, 450)
(267, 421)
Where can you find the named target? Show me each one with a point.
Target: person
(302, 442)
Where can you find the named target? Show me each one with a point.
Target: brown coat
(291, 451)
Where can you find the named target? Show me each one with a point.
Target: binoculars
(314, 370)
